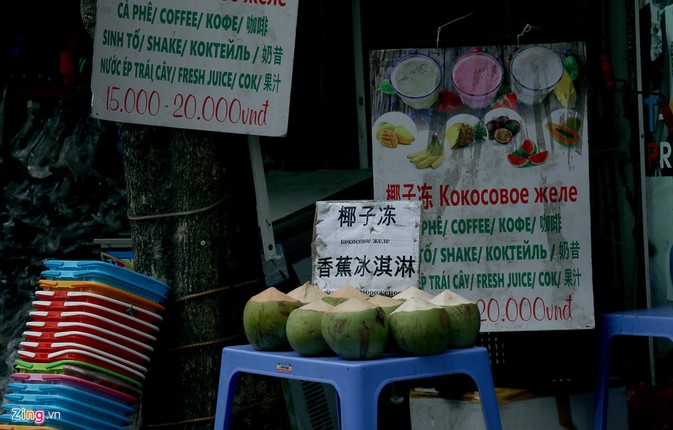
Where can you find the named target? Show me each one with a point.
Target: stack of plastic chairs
(86, 349)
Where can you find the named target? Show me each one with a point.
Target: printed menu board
(492, 140)
(223, 66)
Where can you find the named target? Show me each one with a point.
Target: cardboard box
(519, 410)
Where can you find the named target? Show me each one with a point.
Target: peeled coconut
(419, 327)
(410, 292)
(303, 329)
(388, 304)
(307, 293)
(344, 293)
(356, 329)
(464, 316)
(264, 319)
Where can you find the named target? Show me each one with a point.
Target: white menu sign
(369, 245)
(212, 65)
(493, 140)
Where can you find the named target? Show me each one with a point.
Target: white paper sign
(214, 65)
(370, 245)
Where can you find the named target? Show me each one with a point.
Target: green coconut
(465, 319)
(356, 329)
(410, 292)
(265, 317)
(388, 304)
(307, 293)
(303, 329)
(419, 327)
(344, 293)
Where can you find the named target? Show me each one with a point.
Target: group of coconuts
(356, 326)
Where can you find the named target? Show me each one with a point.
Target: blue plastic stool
(652, 322)
(358, 383)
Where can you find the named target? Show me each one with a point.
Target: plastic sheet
(62, 188)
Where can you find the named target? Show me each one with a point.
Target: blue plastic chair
(652, 322)
(358, 383)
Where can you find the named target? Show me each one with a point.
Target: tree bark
(191, 203)
(192, 210)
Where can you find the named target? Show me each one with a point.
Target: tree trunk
(194, 226)
(210, 256)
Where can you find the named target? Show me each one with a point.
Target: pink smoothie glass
(477, 76)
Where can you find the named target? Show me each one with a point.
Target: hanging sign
(492, 141)
(214, 65)
(369, 245)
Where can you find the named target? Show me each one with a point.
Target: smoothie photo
(477, 76)
(416, 78)
(534, 72)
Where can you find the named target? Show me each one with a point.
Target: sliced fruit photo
(527, 155)
(393, 129)
(505, 99)
(502, 125)
(528, 147)
(462, 130)
(564, 126)
(430, 156)
(538, 158)
(563, 134)
(448, 102)
(517, 160)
